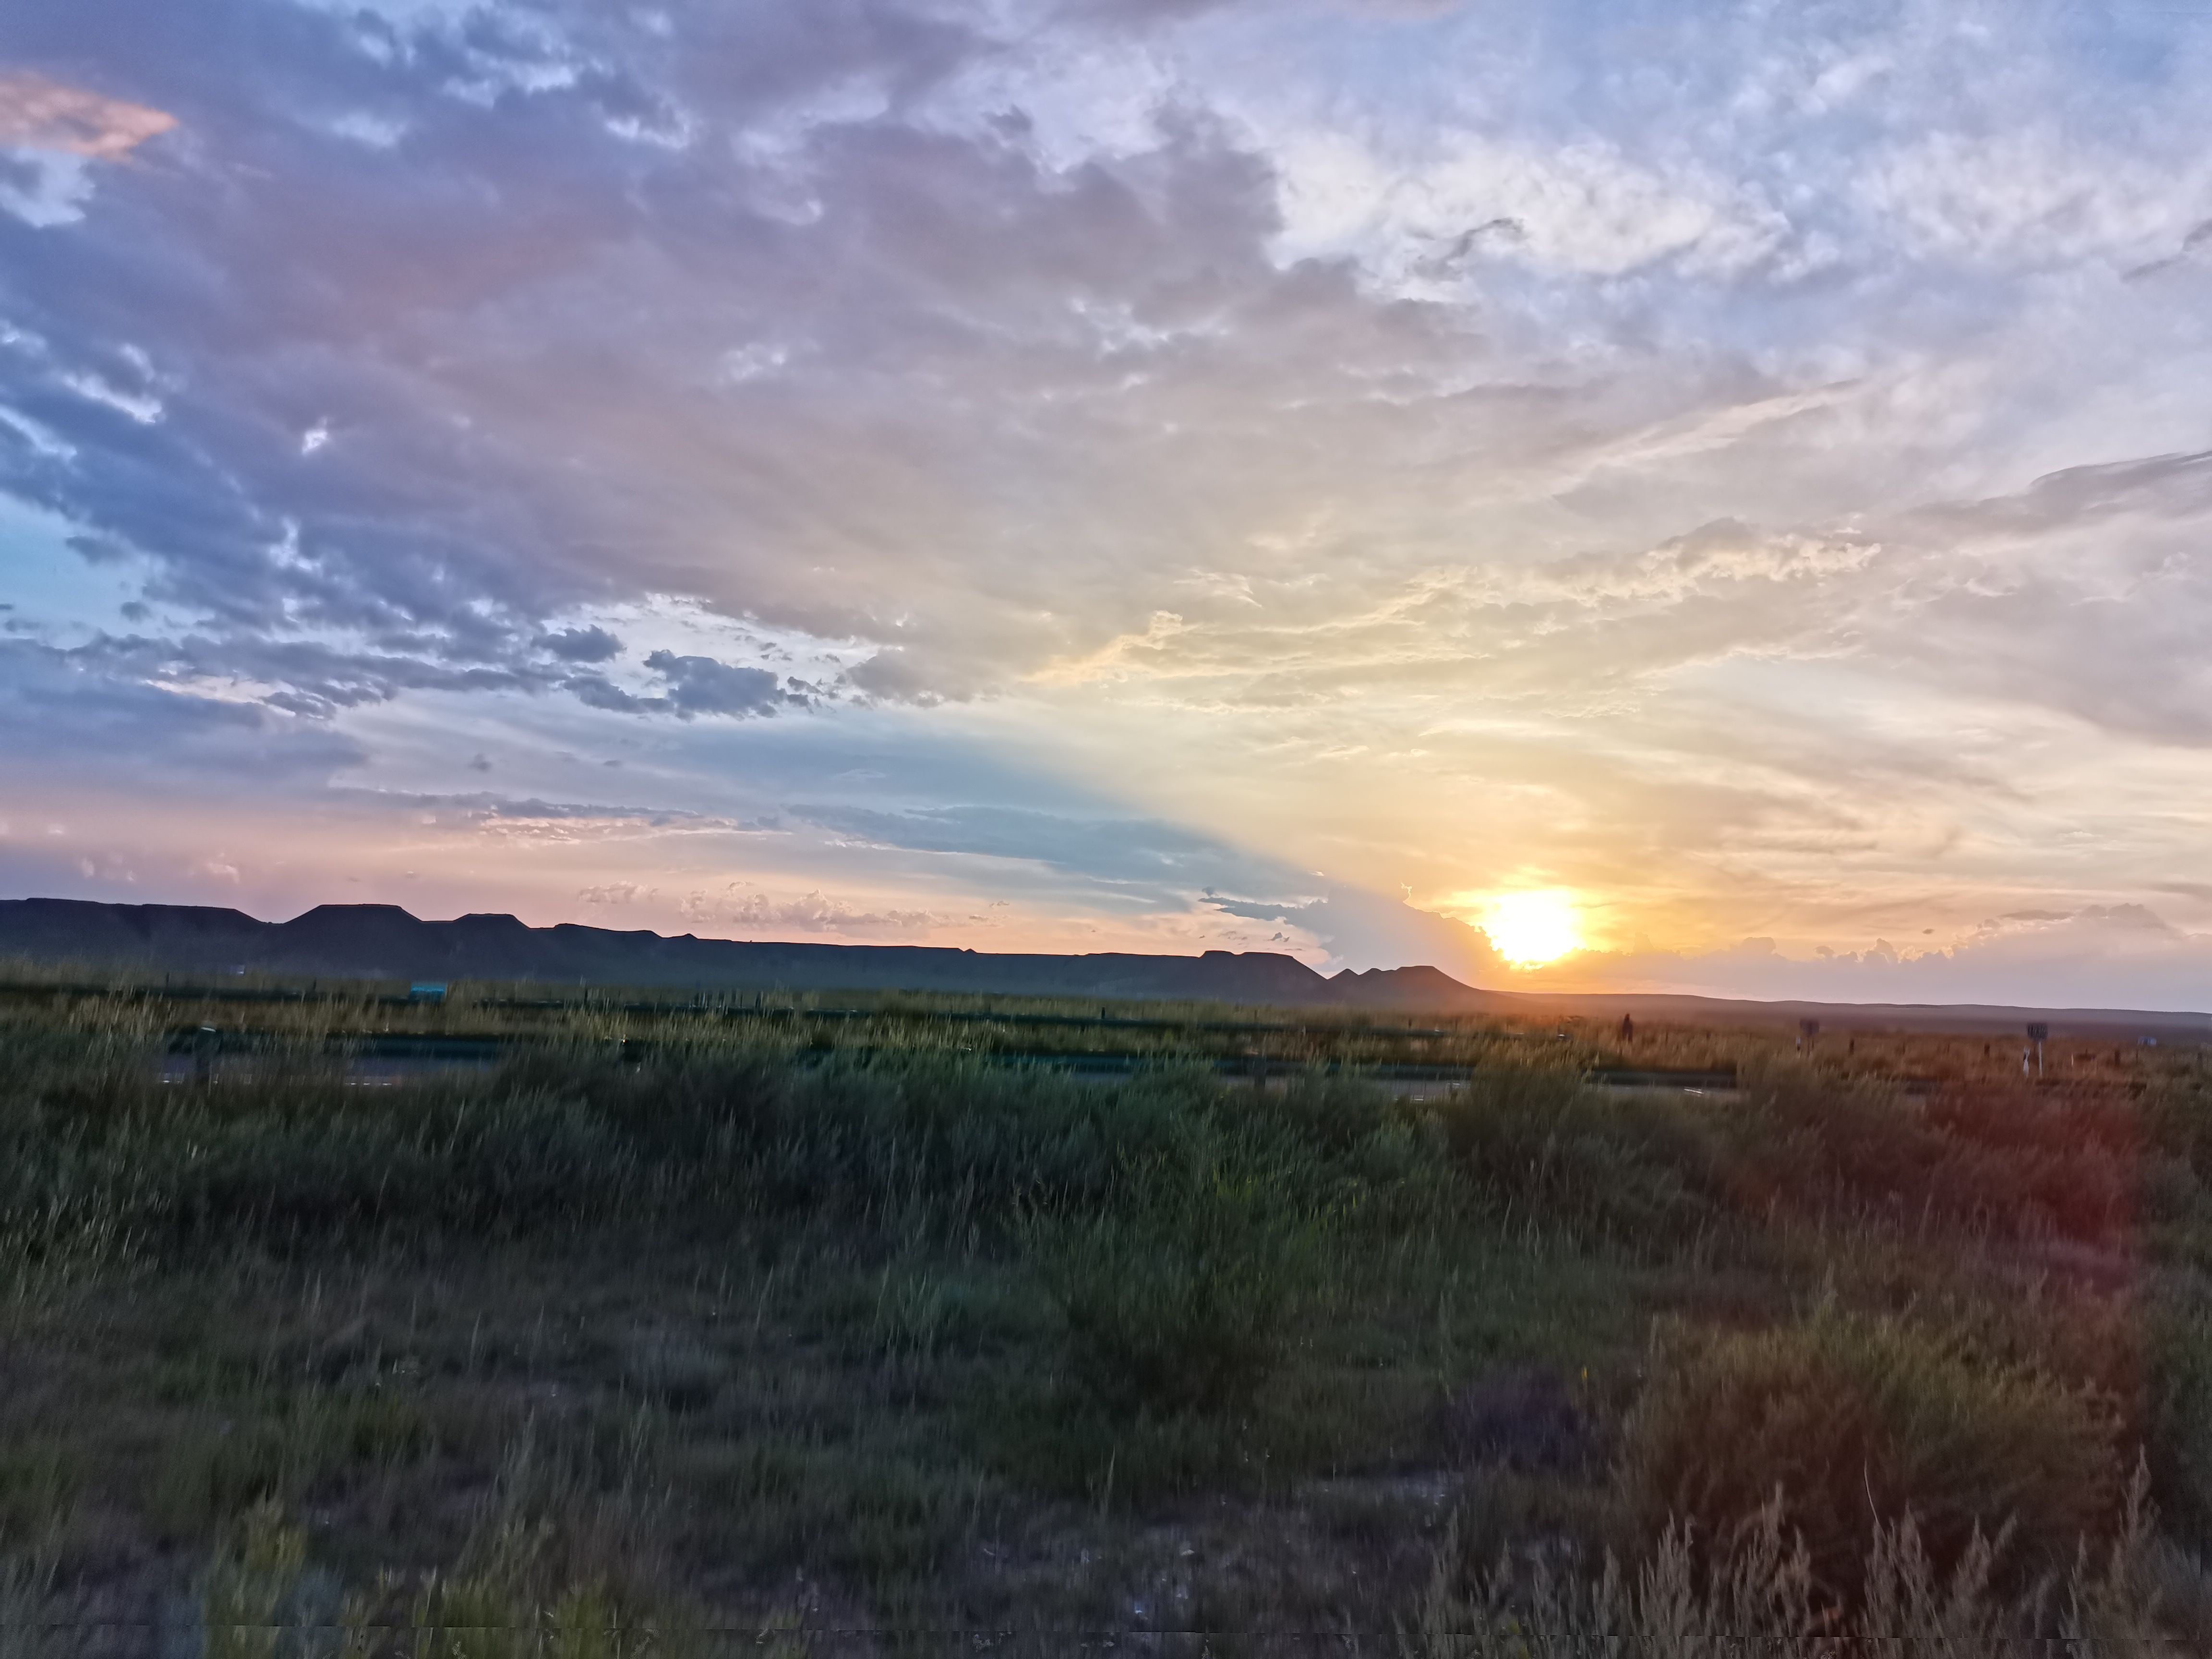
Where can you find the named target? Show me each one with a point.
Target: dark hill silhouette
(1415, 988)
(383, 941)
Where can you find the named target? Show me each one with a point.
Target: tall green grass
(862, 1308)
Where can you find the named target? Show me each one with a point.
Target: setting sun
(1530, 929)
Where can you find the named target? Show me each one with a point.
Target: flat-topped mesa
(1401, 987)
(84, 929)
(386, 941)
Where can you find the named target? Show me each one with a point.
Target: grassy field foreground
(747, 1339)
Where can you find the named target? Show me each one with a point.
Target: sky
(1696, 496)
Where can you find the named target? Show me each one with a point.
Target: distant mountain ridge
(383, 941)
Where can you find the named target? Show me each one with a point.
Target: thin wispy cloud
(37, 113)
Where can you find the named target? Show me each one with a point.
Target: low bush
(1997, 1163)
(1857, 1423)
(2177, 1116)
(1184, 1299)
(1636, 1172)
(293, 1156)
(2177, 1417)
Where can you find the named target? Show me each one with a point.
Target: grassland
(729, 1326)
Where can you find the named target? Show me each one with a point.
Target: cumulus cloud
(701, 685)
(585, 645)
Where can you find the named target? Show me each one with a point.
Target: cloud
(63, 717)
(1584, 209)
(36, 114)
(810, 913)
(700, 685)
(584, 645)
(615, 892)
(2080, 594)
(691, 686)
(1163, 862)
(504, 813)
(2035, 194)
(449, 529)
(898, 674)
(50, 136)
(1362, 930)
(1118, 655)
(2097, 957)
(1725, 471)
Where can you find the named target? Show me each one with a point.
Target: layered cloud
(1748, 469)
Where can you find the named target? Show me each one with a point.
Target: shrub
(1184, 1299)
(1335, 1114)
(2177, 1115)
(2177, 1414)
(1999, 1162)
(1859, 1422)
(1633, 1171)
